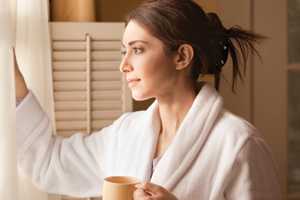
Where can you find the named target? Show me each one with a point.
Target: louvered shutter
(89, 91)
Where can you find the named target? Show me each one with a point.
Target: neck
(173, 107)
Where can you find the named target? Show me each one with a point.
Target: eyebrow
(135, 41)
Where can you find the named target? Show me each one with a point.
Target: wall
(108, 11)
(270, 79)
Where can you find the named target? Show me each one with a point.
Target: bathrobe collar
(188, 142)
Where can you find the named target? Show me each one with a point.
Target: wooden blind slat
(70, 125)
(81, 65)
(70, 115)
(70, 105)
(99, 124)
(81, 76)
(69, 86)
(106, 95)
(81, 85)
(81, 105)
(81, 45)
(81, 55)
(106, 114)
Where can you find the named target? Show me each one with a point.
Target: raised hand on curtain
(21, 88)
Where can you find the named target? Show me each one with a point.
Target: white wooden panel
(81, 45)
(81, 96)
(106, 55)
(82, 115)
(109, 114)
(86, 58)
(107, 105)
(81, 105)
(81, 55)
(69, 86)
(107, 76)
(81, 65)
(81, 76)
(70, 115)
(77, 31)
(106, 65)
(106, 95)
(99, 124)
(81, 85)
(106, 85)
(70, 105)
(69, 76)
(69, 55)
(69, 96)
(70, 125)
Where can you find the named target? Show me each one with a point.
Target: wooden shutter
(89, 90)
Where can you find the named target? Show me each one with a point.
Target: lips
(132, 81)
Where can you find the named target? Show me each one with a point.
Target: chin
(138, 96)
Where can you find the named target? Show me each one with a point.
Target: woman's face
(149, 71)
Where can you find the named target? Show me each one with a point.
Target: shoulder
(231, 132)
(234, 126)
(239, 141)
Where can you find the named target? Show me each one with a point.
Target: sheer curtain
(24, 24)
(8, 169)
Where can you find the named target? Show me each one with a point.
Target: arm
(21, 88)
(72, 166)
(253, 175)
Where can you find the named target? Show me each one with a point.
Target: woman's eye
(137, 51)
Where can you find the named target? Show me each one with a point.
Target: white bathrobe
(215, 155)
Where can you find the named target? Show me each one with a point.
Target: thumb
(150, 187)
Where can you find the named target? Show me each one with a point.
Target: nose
(125, 65)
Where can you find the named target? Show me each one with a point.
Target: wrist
(21, 95)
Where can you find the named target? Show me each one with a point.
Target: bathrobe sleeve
(253, 174)
(72, 166)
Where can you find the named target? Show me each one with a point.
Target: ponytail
(234, 42)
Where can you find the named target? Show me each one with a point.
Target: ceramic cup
(119, 188)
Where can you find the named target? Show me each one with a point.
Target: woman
(185, 146)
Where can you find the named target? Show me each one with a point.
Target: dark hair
(177, 22)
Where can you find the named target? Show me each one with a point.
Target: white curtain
(8, 168)
(24, 24)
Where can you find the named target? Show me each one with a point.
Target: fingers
(150, 188)
(140, 194)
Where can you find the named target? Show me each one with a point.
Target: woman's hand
(21, 88)
(150, 191)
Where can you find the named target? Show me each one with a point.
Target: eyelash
(136, 51)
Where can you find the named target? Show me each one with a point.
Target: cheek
(154, 69)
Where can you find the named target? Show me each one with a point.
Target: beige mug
(119, 188)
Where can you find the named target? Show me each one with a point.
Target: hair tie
(219, 55)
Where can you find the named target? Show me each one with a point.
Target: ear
(184, 56)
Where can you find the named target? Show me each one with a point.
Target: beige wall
(270, 79)
(262, 97)
(112, 11)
